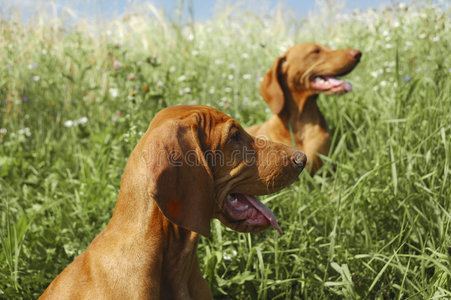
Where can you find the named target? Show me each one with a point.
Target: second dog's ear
(270, 88)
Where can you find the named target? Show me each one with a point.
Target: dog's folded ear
(180, 180)
(270, 88)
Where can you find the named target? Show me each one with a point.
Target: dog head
(310, 69)
(201, 164)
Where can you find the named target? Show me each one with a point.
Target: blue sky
(202, 9)
(205, 9)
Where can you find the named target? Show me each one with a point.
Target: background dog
(291, 88)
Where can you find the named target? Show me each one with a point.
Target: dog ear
(270, 88)
(180, 180)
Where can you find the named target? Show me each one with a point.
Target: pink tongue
(332, 84)
(339, 85)
(333, 81)
(347, 86)
(264, 211)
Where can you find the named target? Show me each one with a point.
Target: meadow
(77, 96)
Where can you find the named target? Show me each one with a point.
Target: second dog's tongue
(264, 211)
(331, 84)
(339, 85)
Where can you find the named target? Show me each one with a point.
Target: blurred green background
(77, 95)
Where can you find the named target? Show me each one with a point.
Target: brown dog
(193, 164)
(291, 88)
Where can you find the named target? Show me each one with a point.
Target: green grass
(379, 227)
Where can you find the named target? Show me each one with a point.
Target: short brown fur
(169, 192)
(286, 89)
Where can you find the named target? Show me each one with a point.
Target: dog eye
(234, 137)
(317, 51)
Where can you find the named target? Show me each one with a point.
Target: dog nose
(355, 54)
(299, 159)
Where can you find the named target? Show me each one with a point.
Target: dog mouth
(246, 211)
(330, 85)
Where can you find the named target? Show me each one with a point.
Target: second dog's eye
(317, 51)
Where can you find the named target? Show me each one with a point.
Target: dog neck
(150, 246)
(300, 105)
(300, 113)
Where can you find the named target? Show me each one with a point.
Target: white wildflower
(230, 77)
(27, 131)
(245, 55)
(82, 120)
(24, 131)
(187, 90)
(114, 92)
(219, 62)
(374, 74)
(36, 78)
(181, 78)
(229, 254)
(3, 130)
(212, 90)
(227, 90)
(247, 76)
(389, 46)
(69, 123)
(383, 83)
(172, 69)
